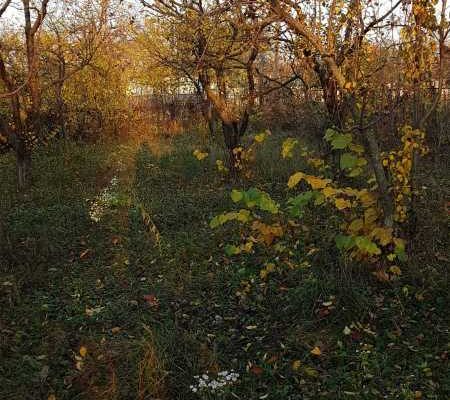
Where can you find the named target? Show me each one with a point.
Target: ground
(138, 303)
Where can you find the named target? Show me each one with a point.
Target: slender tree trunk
(23, 160)
(387, 202)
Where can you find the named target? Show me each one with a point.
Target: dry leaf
(151, 300)
(83, 351)
(256, 370)
(296, 365)
(84, 253)
(316, 351)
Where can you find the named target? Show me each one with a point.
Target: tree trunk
(387, 202)
(23, 159)
(232, 138)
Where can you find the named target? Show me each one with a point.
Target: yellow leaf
(295, 179)
(248, 247)
(51, 397)
(356, 148)
(316, 162)
(395, 270)
(270, 267)
(287, 147)
(316, 351)
(366, 198)
(342, 204)
(329, 191)
(296, 365)
(370, 216)
(391, 257)
(350, 192)
(356, 225)
(199, 155)
(260, 137)
(83, 351)
(317, 183)
(348, 85)
(313, 373)
(384, 235)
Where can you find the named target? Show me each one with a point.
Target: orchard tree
(344, 41)
(24, 94)
(75, 32)
(216, 46)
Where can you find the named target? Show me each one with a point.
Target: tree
(25, 108)
(73, 36)
(216, 46)
(339, 37)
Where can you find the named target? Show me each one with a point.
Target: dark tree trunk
(23, 159)
(232, 136)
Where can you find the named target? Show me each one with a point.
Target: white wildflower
(205, 383)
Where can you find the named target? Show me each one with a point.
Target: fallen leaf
(382, 276)
(395, 270)
(84, 253)
(316, 351)
(92, 311)
(296, 365)
(83, 351)
(256, 370)
(116, 329)
(341, 204)
(151, 300)
(115, 239)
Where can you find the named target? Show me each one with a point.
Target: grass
(155, 301)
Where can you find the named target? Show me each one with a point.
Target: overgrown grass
(153, 314)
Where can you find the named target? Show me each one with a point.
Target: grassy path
(96, 310)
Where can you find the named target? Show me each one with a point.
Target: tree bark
(23, 160)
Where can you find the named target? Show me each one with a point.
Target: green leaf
(330, 134)
(344, 242)
(217, 221)
(241, 216)
(267, 204)
(255, 197)
(320, 199)
(400, 252)
(341, 141)
(361, 162)
(231, 250)
(251, 197)
(366, 245)
(298, 203)
(236, 195)
(348, 161)
(355, 172)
